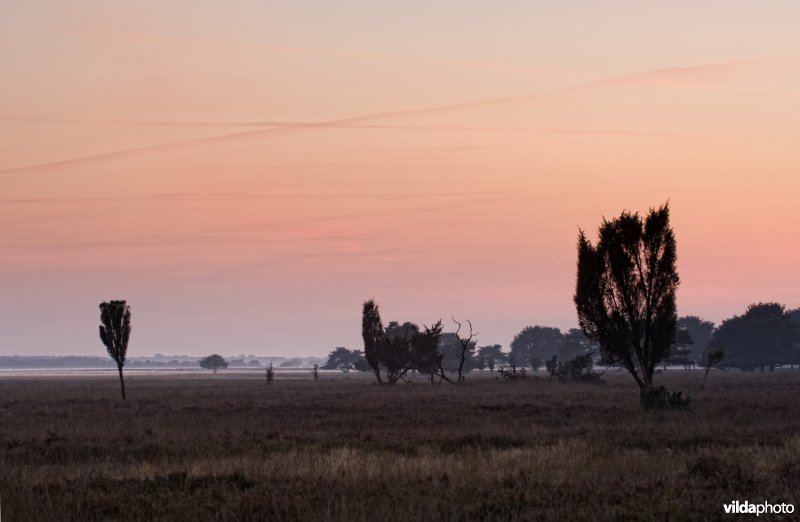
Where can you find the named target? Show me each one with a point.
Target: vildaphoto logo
(762, 508)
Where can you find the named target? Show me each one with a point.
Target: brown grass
(345, 449)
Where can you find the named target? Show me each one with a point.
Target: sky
(246, 173)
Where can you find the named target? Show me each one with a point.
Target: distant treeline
(765, 337)
(76, 361)
(24, 362)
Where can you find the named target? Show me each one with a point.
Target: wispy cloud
(610, 133)
(341, 228)
(691, 76)
(177, 197)
(675, 76)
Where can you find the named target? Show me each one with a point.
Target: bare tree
(465, 345)
(115, 331)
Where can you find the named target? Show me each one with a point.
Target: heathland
(231, 447)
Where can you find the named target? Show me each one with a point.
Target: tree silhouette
(269, 371)
(625, 291)
(213, 362)
(493, 355)
(394, 329)
(701, 331)
(711, 359)
(395, 356)
(466, 348)
(536, 342)
(115, 331)
(766, 336)
(450, 347)
(372, 333)
(795, 315)
(424, 355)
(344, 360)
(396, 350)
(393, 352)
(573, 344)
(680, 353)
(577, 369)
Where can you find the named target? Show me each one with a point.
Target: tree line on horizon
(625, 298)
(765, 337)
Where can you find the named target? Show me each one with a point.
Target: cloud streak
(670, 76)
(177, 197)
(299, 229)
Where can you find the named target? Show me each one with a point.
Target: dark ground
(220, 448)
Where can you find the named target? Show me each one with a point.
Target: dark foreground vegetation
(342, 448)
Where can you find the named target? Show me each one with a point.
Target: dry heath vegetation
(342, 448)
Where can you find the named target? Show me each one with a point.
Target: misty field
(233, 448)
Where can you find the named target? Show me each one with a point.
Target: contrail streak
(283, 127)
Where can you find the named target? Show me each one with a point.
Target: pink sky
(246, 173)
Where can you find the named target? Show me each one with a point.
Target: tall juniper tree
(625, 291)
(115, 331)
(372, 333)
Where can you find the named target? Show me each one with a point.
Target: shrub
(723, 473)
(345, 360)
(659, 398)
(578, 369)
(512, 374)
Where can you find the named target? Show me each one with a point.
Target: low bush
(578, 369)
(512, 374)
(659, 398)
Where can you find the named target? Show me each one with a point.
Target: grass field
(202, 448)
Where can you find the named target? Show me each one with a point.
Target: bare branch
(459, 324)
(464, 342)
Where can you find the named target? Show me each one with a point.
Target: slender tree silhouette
(372, 333)
(625, 291)
(115, 331)
(466, 345)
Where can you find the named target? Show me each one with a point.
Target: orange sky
(245, 174)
